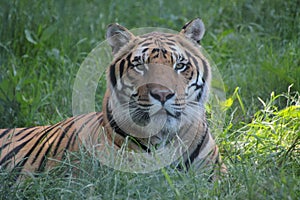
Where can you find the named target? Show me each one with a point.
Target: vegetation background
(255, 45)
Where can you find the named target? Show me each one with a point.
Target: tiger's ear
(193, 30)
(117, 37)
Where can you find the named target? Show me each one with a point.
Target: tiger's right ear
(117, 37)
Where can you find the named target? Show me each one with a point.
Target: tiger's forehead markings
(156, 38)
(167, 49)
(155, 48)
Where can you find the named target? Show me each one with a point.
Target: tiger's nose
(161, 95)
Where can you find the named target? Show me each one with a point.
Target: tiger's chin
(161, 124)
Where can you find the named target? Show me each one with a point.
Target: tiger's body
(157, 86)
(27, 149)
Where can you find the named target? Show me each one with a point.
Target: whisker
(193, 112)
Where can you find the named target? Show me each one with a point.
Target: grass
(255, 46)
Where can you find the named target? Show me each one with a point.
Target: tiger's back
(27, 149)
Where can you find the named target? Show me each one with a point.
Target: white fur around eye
(139, 68)
(179, 67)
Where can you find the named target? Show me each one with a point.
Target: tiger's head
(157, 82)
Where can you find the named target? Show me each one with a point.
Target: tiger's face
(158, 82)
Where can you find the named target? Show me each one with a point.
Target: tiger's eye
(139, 67)
(180, 66)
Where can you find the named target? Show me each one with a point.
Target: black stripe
(144, 36)
(171, 39)
(122, 63)
(13, 152)
(74, 141)
(43, 162)
(96, 124)
(199, 87)
(45, 141)
(144, 50)
(188, 54)
(168, 35)
(195, 62)
(119, 131)
(27, 134)
(3, 146)
(205, 65)
(199, 95)
(113, 124)
(76, 132)
(112, 75)
(164, 52)
(136, 59)
(195, 153)
(129, 63)
(46, 134)
(146, 44)
(191, 77)
(71, 139)
(186, 25)
(20, 164)
(21, 131)
(170, 43)
(65, 131)
(195, 84)
(173, 49)
(50, 136)
(156, 56)
(154, 50)
(5, 132)
(18, 167)
(99, 119)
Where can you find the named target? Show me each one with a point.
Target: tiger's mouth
(164, 111)
(142, 114)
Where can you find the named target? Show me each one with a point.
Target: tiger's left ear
(193, 30)
(117, 36)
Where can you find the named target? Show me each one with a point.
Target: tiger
(156, 90)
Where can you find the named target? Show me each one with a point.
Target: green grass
(255, 45)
